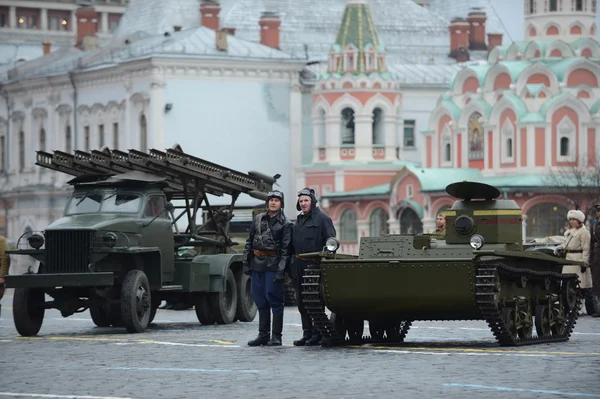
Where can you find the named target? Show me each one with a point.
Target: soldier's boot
(307, 330)
(264, 329)
(315, 339)
(276, 331)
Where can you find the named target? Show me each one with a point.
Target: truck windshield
(104, 202)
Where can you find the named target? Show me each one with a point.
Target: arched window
(566, 137)
(42, 139)
(143, 133)
(348, 231)
(564, 146)
(348, 126)
(21, 150)
(531, 6)
(378, 128)
(578, 5)
(68, 139)
(378, 225)
(547, 219)
(448, 152)
(508, 138)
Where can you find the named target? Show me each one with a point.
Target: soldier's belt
(574, 251)
(263, 253)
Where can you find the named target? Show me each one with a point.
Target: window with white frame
(409, 133)
(508, 142)
(565, 147)
(348, 229)
(378, 225)
(347, 126)
(378, 134)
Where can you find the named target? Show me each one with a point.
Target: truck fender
(219, 264)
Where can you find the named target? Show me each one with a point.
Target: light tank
(476, 270)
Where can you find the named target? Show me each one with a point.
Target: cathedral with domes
(525, 121)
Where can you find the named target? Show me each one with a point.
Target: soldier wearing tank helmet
(266, 256)
(313, 228)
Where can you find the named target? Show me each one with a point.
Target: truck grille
(68, 251)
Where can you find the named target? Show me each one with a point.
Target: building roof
(411, 33)
(449, 9)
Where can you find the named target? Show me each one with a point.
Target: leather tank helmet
(308, 192)
(275, 194)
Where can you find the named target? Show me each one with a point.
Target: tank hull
(400, 290)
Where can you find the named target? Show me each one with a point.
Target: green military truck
(119, 250)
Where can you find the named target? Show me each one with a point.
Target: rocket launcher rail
(185, 174)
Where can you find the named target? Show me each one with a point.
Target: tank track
(313, 302)
(487, 279)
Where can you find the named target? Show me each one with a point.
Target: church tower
(356, 103)
(567, 20)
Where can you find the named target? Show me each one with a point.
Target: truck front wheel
(135, 301)
(28, 310)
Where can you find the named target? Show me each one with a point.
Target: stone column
(12, 17)
(295, 149)
(44, 19)
(362, 228)
(363, 137)
(29, 136)
(104, 22)
(334, 138)
(524, 226)
(127, 127)
(389, 124)
(156, 112)
(393, 226)
(429, 224)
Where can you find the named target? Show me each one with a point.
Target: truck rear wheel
(224, 304)
(135, 301)
(246, 308)
(28, 310)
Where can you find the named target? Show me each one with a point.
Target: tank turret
(479, 218)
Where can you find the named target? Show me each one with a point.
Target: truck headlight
(476, 241)
(332, 244)
(109, 239)
(36, 241)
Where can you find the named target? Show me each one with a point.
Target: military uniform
(310, 234)
(266, 257)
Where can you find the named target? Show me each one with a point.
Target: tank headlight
(477, 241)
(332, 244)
(36, 241)
(109, 239)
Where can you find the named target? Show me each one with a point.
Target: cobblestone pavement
(179, 358)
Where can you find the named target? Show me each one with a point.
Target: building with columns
(526, 122)
(234, 82)
(30, 29)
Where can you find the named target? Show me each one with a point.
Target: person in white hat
(577, 247)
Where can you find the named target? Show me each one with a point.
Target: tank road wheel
(28, 310)
(203, 312)
(246, 308)
(223, 304)
(355, 330)
(376, 330)
(135, 301)
(569, 294)
(525, 321)
(558, 323)
(508, 314)
(100, 316)
(542, 321)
